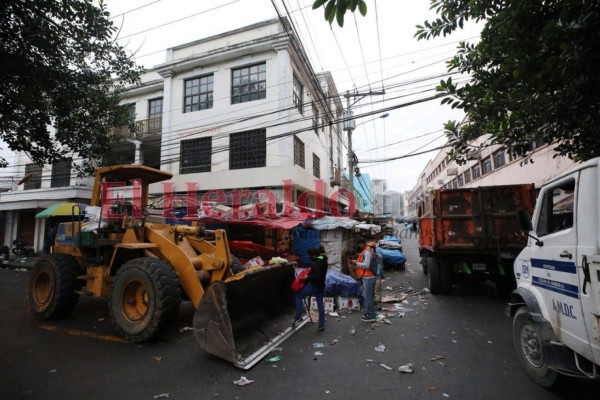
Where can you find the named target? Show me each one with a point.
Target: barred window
(476, 171)
(195, 155)
(248, 149)
(487, 166)
(297, 95)
(316, 166)
(35, 182)
(249, 83)
(61, 173)
(461, 181)
(499, 158)
(198, 93)
(298, 152)
(315, 118)
(467, 175)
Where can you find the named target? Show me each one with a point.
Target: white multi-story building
(488, 165)
(239, 110)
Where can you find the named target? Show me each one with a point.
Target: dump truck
(146, 268)
(556, 305)
(471, 234)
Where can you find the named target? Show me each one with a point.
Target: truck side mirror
(524, 221)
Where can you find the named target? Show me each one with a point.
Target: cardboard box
(348, 304)
(327, 303)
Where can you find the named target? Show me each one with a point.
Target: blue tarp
(391, 239)
(338, 284)
(304, 239)
(394, 258)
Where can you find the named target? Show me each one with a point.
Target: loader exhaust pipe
(243, 320)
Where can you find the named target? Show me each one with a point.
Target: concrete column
(284, 92)
(166, 151)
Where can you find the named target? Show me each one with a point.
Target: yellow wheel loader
(145, 268)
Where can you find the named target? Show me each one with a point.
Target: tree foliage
(336, 9)
(60, 68)
(534, 74)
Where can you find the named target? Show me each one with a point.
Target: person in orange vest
(363, 270)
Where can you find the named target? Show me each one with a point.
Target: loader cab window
(557, 209)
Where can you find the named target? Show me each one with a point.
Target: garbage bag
(338, 284)
(392, 257)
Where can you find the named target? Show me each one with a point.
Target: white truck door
(554, 271)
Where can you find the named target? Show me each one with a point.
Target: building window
(249, 83)
(316, 166)
(297, 95)
(198, 93)
(461, 181)
(476, 171)
(467, 175)
(35, 182)
(487, 166)
(499, 159)
(195, 155)
(155, 108)
(248, 149)
(315, 118)
(454, 184)
(298, 152)
(131, 110)
(61, 173)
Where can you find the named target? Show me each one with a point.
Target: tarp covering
(338, 284)
(329, 223)
(335, 243)
(394, 258)
(369, 227)
(303, 240)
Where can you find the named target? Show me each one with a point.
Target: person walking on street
(363, 270)
(315, 286)
(378, 275)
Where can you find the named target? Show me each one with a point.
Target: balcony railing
(144, 127)
(336, 177)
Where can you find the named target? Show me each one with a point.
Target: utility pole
(349, 125)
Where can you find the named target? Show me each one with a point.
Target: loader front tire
(53, 285)
(144, 299)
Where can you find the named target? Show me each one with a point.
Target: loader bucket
(243, 320)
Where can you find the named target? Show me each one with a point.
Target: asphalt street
(467, 334)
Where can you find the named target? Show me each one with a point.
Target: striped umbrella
(62, 210)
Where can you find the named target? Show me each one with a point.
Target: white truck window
(557, 209)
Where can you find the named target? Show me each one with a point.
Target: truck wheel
(52, 286)
(445, 276)
(144, 299)
(435, 282)
(530, 351)
(424, 264)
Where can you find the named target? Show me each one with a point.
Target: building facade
(242, 110)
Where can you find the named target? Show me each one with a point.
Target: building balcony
(336, 177)
(142, 128)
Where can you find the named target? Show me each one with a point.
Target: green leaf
(330, 11)
(362, 7)
(340, 15)
(318, 3)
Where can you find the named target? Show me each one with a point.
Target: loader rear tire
(433, 273)
(530, 350)
(52, 286)
(144, 299)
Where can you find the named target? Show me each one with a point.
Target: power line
(134, 9)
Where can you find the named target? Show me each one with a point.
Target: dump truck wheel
(424, 264)
(52, 286)
(433, 269)
(144, 299)
(530, 351)
(445, 276)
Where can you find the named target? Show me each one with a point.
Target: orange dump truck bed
(473, 230)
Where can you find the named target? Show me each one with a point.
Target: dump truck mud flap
(243, 320)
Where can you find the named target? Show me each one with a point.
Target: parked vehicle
(145, 268)
(556, 306)
(472, 233)
(19, 247)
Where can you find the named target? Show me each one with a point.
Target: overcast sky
(393, 55)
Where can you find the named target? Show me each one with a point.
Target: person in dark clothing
(315, 286)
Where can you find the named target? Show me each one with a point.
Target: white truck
(556, 306)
